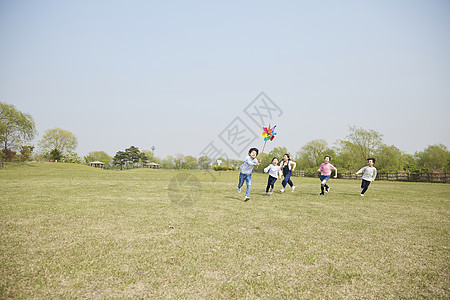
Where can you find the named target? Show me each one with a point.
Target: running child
(369, 174)
(274, 172)
(288, 167)
(246, 171)
(325, 169)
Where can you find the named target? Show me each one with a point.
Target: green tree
(25, 152)
(366, 142)
(72, 158)
(98, 156)
(148, 156)
(134, 154)
(278, 152)
(204, 162)
(58, 138)
(348, 157)
(56, 154)
(311, 155)
(16, 128)
(189, 163)
(121, 158)
(359, 145)
(168, 162)
(179, 159)
(434, 157)
(409, 163)
(389, 158)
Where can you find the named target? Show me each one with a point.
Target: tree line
(17, 130)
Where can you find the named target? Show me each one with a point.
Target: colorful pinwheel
(269, 133)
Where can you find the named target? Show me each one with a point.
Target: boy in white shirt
(369, 174)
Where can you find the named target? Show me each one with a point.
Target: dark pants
(270, 183)
(287, 179)
(364, 186)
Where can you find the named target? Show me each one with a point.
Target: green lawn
(71, 231)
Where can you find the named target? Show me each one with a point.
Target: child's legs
(273, 182)
(269, 182)
(248, 180)
(241, 180)
(364, 185)
(287, 179)
(323, 181)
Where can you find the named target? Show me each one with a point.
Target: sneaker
(266, 194)
(271, 192)
(282, 190)
(246, 198)
(239, 190)
(292, 189)
(327, 189)
(321, 194)
(362, 195)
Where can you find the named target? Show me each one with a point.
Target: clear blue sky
(175, 74)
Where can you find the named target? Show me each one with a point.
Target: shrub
(223, 168)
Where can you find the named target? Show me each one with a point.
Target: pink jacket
(326, 169)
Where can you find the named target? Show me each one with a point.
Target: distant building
(97, 164)
(152, 165)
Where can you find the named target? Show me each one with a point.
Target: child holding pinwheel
(246, 171)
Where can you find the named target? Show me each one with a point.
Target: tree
(56, 154)
(9, 154)
(16, 127)
(204, 162)
(134, 154)
(389, 158)
(25, 152)
(60, 139)
(168, 162)
(278, 152)
(121, 158)
(148, 155)
(348, 157)
(434, 157)
(72, 158)
(98, 156)
(312, 153)
(189, 162)
(367, 142)
(178, 160)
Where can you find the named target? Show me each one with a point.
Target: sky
(182, 75)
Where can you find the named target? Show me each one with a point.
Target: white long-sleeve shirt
(369, 173)
(274, 171)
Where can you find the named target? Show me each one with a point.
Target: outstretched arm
(293, 164)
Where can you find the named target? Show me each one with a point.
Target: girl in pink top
(325, 174)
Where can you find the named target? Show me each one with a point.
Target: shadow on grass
(240, 199)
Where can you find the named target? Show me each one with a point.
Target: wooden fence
(443, 177)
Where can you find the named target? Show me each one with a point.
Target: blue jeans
(248, 179)
(287, 179)
(323, 177)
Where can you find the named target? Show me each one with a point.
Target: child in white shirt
(274, 172)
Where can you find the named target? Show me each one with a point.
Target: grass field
(71, 231)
